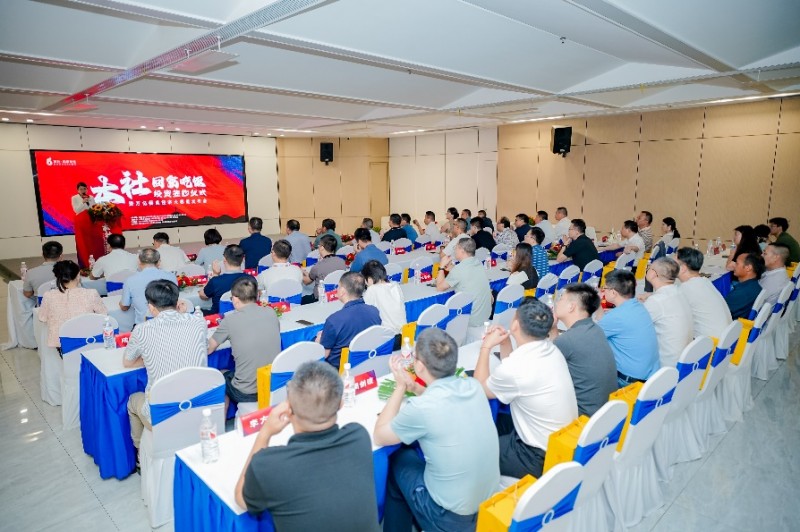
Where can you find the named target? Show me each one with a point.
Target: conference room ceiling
(380, 68)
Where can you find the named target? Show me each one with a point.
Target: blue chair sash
(113, 286)
(548, 245)
(584, 454)
(537, 522)
(357, 357)
(685, 369)
(542, 291)
(564, 282)
(225, 306)
(71, 344)
(778, 308)
(441, 324)
(503, 255)
(310, 261)
(397, 277)
(502, 306)
(754, 334)
(752, 315)
(164, 411)
(294, 300)
(330, 287)
(451, 314)
(722, 354)
(261, 268)
(280, 379)
(643, 408)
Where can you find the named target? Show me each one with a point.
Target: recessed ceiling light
(142, 127)
(29, 120)
(280, 135)
(256, 133)
(177, 129)
(5, 119)
(161, 128)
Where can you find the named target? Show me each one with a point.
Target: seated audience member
(366, 251)
(775, 277)
(629, 330)
(328, 228)
(486, 222)
(778, 228)
(385, 296)
(467, 276)
(542, 222)
(281, 267)
(669, 230)
(561, 227)
(301, 483)
(504, 234)
(256, 246)
(133, 290)
(589, 357)
(632, 242)
(367, 224)
(483, 239)
(458, 233)
(328, 263)
(405, 224)
(749, 269)
(224, 276)
(343, 325)
(577, 246)
(395, 232)
(643, 221)
(466, 214)
(710, 314)
(521, 225)
(68, 301)
(762, 232)
(534, 381)
(669, 310)
(116, 261)
(521, 267)
(212, 250)
(430, 228)
(172, 257)
(172, 340)
(254, 332)
(301, 245)
(36, 277)
(452, 422)
(450, 216)
(534, 238)
(745, 240)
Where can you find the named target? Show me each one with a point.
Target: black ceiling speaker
(560, 139)
(326, 152)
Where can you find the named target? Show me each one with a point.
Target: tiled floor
(748, 482)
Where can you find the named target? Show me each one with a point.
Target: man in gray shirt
(585, 348)
(255, 336)
(36, 277)
(775, 278)
(328, 263)
(301, 245)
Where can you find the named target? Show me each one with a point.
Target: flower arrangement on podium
(106, 211)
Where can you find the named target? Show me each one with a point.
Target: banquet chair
(595, 452)
(423, 264)
(344, 251)
(177, 401)
(764, 358)
(273, 390)
(76, 334)
(593, 270)
(191, 270)
(285, 290)
(402, 243)
(673, 246)
(265, 263)
(115, 282)
(435, 315)
(312, 258)
(386, 247)
(421, 241)
(50, 368)
(570, 275)
(331, 281)
(778, 331)
(394, 272)
(482, 254)
(591, 233)
(549, 503)
(678, 440)
(757, 304)
(225, 303)
(42, 290)
(734, 392)
(369, 350)
(508, 300)
(459, 308)
(625, 261)
(632, 485)
(547, 285)
(501, 251)
(791, 310)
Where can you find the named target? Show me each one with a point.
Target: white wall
(434, 172)
(19, 223)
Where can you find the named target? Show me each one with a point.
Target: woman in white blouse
(386, 297)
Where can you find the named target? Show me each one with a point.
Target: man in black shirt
(521, 226)
(322, 479)
(483, 239)
(578, 246)
(396, 232)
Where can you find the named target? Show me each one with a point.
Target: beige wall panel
(790, 115)
(461, 181)
(18, 217)
(560, 182)
(786, 182)
(297, 187)
(402, 146)
(348, 224)
(150, 141)
(757, 118)
(464, 141)
(734, 183)
(516, 181)
(262, 187)
(232, 233)
(296, 147)
(13, 137)
(353, 147)
(667, 184)
(355, 186)
(327, 189)
(225, 145)
(487, 139)
(22, 247)
(192, 234)
(610, 182)
(677, 124)
(515, 136)
(307, 225)
(487, 184)
(104, 139)
(616, 128)
(54, 138)
(190, 142)
(403, 178)
(430, 189)
(378, 148)
(430, 144)
(260, 146)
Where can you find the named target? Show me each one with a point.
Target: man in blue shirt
(405, 223)
(224, 276)
(748, 269)
(343, 325)
(134, 286)
(256, 246)
(301, 245)
(629, 330)
(366, 251)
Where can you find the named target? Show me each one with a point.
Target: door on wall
(379, 191)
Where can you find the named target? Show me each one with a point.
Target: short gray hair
(149, 256)
(315, 392)
(667, 268)
(467, 245)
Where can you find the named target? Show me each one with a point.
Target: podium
(89, 237)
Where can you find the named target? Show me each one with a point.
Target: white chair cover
(632, 486)
(265, 263)
(547, 285)
(225, 303)
(383, 246)
(482, 254)
(433, 316)
(458, 326)
(625, 261)
(344, 251)
(508, 299)
(369, 340)
(117, 279)
(570, 274)
(285, 289)
(289, 360)
(333, 278)
(422, 240)
(42, 290)
(89, 327)
(312, 258)
(50, 367)
(591, 270)
(157, 448)
(501, 249)
(394, 271)
(764, 360)
(418, 264)
(591, 232)
(190, 270)
(673, 245)
(402, 243)
(761, 298)
(677, 441)
(779, 324)
(548, 504)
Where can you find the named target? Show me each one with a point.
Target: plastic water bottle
(486, 325)
(612, 234)
(349, 395)
(91, 261)
(709, 248)
(487, 264)
(198, 312)
(209, 444)
(418, 276)
(321, 295)
(23, 270)
(210, 273)
(391, 249)
(549, 300)
(108, 334)
(407, 353)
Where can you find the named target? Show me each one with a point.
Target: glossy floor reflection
(748, 482)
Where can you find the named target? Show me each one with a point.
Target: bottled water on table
(23, 270)
(391, 249)
(486, 325)
(198, 312)
(108, 334)
(349, 395)
(209, 444)
(91, 261)
(710, 248)
(407, 353)
(321, 295)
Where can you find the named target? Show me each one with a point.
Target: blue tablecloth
(723, 283)
(198, 509)
(105, 428)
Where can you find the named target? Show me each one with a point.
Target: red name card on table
(430, 246)
(212, 320)
(493, 263)
(192, 257)
(252, 271)
(365, 381)
(251, 423)
(333, 295)
(283, 306)
(399, 251)
(122, 339)
(425, 277)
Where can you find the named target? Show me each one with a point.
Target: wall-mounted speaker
(560, 139)
(326, 152)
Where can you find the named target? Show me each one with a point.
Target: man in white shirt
(775, 278)
(561, 227)
(281, 267)
(82, 201)
(710, 313)
(430, 229)
(632, 242)
(172, 257)
(116, 261)
(534, 380)
(669, 310)
(544, 224)
(459, 232)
